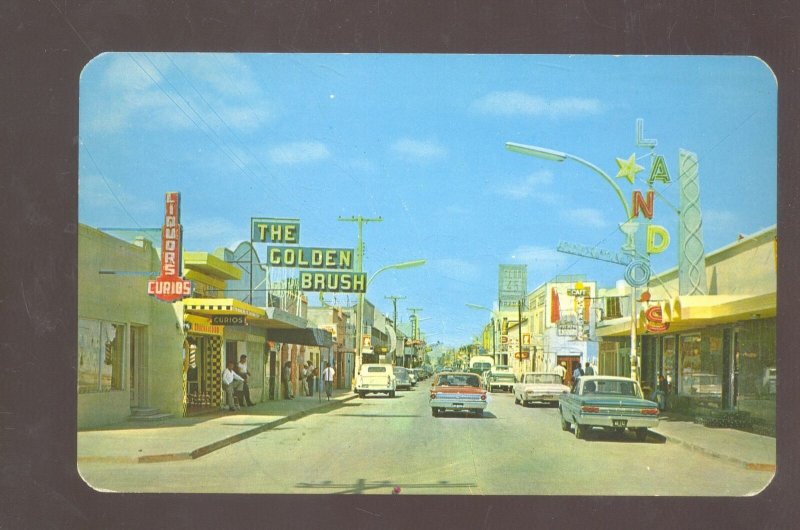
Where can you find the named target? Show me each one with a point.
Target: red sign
(522, 355)
(170, 286)
(655, 320)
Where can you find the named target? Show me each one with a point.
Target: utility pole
(359, 268)
(394, 300)
(415, 327)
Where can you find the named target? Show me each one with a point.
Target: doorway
(571, 362)
(136, 361)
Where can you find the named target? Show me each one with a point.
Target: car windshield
(378, 369)
(459, 380)
(481, 366)
(543, 378)
(611, 387)
(504, 376)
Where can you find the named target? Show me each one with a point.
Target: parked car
(403, 380)
(376, 378)
(607, 402)
(420, 373)
(500, 380)
(459, 391)
(770, 377)
(539, 387)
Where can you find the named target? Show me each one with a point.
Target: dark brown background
(43, 47)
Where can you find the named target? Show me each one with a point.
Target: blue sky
(419, 141)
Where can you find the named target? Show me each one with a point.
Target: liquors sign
(170, 286)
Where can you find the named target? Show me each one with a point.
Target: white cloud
(515, 103)
(457, 269)
(299, 153)
(531, 187)
(418, 150)
(587, 217)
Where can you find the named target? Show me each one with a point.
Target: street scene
(427, 274)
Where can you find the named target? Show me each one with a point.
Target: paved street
(375, 444)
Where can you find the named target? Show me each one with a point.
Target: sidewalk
(751, 451)
(188, 438)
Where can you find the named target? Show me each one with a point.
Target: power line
(102, 176)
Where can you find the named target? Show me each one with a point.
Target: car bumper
(542, 398)
(618, 421)
(374, 388)
(456, 404)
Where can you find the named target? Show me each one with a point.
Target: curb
(230, 440)
(753, 466)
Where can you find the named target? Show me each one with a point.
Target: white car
(539, 387)
(376, 379)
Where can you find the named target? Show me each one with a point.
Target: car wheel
(580, 432)
(641, 434)
(516, 400)
(391, 394)
(362, 394)
(435, 412)
(564, 424)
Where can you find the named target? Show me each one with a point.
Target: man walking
(561, 370)
(246, 401)
(287, 380)
(231, 383)
(327, 377)
(588, 370)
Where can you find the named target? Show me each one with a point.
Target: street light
(360, 307)
(559, 156)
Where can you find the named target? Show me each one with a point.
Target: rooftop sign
(170, 285)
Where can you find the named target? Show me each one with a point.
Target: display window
(701, 364)
(101, 348)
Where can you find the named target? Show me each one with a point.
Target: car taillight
(650, 412)
(590, 409)
(483, 397)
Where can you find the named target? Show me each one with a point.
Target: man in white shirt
(231, 382)
(327, 377)
(245, 396)
(561, 370)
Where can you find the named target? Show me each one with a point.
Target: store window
(100, 354)
(668, 361)
(755, 360)
(701, 364)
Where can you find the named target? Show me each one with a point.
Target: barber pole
(170, 286)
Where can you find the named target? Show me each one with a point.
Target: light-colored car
(707, 384)
(458, 391)
(613, 403)
(402, 377)
(770, 378)
(376, 379)
(500, 380)
(539, 387)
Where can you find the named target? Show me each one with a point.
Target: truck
(376, 379)
(478, 364)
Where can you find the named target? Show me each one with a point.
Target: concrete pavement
(188, 438)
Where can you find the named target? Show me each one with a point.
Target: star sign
(628, 168)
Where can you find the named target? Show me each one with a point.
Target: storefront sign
(333, 282)
(315, 258)
(264, 230)
(228, 320)
(567, 328)
(512, 285)
(593, 253)
(169, 286)
(655, 320)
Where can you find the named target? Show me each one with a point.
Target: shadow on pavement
(601, 435)
(362, 485)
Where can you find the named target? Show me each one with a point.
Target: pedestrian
(244, 374)
(231, 383)
(561, 370)
(312, 373)
(287, 380)
(589, 370)
(303, 378)
(576, 374)
(660, 393)
(327, 377)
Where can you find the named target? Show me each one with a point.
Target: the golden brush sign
(334, 274)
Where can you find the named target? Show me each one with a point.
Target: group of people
(306, 376)
(234, 382)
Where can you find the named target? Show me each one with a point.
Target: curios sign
(170, 286)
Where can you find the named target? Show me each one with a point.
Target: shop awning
(306, 336)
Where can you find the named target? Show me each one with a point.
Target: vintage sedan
(539, 387)
(459, 391)
(499, 380)
(403, 380)
(613, 403)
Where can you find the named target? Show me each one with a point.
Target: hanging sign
(229, 320)
(170, 286)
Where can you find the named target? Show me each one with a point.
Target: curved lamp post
(559, 156)
(360, 307)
